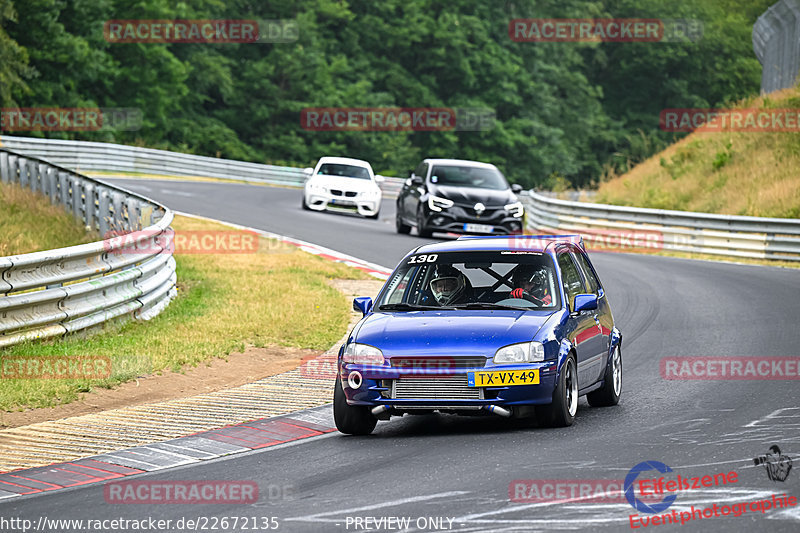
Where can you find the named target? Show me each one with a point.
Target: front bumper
(457, 218)
(378, 387)
(321, 201)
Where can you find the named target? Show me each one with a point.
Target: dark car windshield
(466, 176)
(472, 280)
(345, 171)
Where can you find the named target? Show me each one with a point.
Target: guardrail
(79, 288)
(96, 156)
(680, 231)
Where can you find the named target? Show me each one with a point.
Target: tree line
(565, 113)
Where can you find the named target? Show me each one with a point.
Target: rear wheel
(422, 231)
(561, 413)
(351, 419)
(609, 393)
(400, 225)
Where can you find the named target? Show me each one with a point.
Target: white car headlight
(372, 193)
(524, 352)
(437, 204)
(362, 354)
(516, 209)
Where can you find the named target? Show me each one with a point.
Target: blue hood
(448, 333)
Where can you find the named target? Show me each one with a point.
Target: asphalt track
(461, 468)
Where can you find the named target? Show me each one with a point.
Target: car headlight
(436, 203)
(515, 209)
(371, 193)
(524, 352)
(362, 354)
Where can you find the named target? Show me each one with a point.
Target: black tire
(375, 216)
(304, 204)
(609, 393)
(561, 413)
(351, 419)
(422, 231)
(400, 226)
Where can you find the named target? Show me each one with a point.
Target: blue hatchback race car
(514, 326)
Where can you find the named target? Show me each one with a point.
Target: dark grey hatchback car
(457, 196)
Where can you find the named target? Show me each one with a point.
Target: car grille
(438, 362)
(439, 388)
(348, 194)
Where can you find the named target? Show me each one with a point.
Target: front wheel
(304, 205)
(609, 393)
(351, 419)
(422, 231)
(561, 413)
(401, 226)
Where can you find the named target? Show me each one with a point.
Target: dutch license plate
(503, 378)
(478, 228)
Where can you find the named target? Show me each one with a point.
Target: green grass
(278, 296)
(30, 223)
(732, 173)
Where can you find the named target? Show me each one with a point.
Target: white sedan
(343, 184)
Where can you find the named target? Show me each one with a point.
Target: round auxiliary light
(354, 380)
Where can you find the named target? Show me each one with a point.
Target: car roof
(460, 162)
(344, 161)
(522, 243)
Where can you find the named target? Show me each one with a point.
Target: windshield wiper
(410, 307)
(486, 305)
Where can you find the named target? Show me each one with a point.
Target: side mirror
(379, 178)
(363, 304)
(585, 302)
(516, 188)
(308, 171)
(416, 180)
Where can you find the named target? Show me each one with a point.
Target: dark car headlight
(516, 209)
(437, 203)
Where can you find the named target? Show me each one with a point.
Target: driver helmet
(448, 284)
(532, 279)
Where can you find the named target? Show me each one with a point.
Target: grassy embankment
(733, 173)
(277, 296)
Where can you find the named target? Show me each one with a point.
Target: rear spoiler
(573, 238)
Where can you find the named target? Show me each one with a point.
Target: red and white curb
(195, 448)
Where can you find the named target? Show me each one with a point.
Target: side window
(592, 284)
(422, 170)
(399, 286)
(572, 279)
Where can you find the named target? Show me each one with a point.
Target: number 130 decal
(431, 258)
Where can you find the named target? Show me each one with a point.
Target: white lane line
(177, 193)
(391, 503)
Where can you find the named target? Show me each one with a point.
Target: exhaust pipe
(380, 409)
(497, 410)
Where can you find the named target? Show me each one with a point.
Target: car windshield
(466, 176)
(344, 171)
(472, 280)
